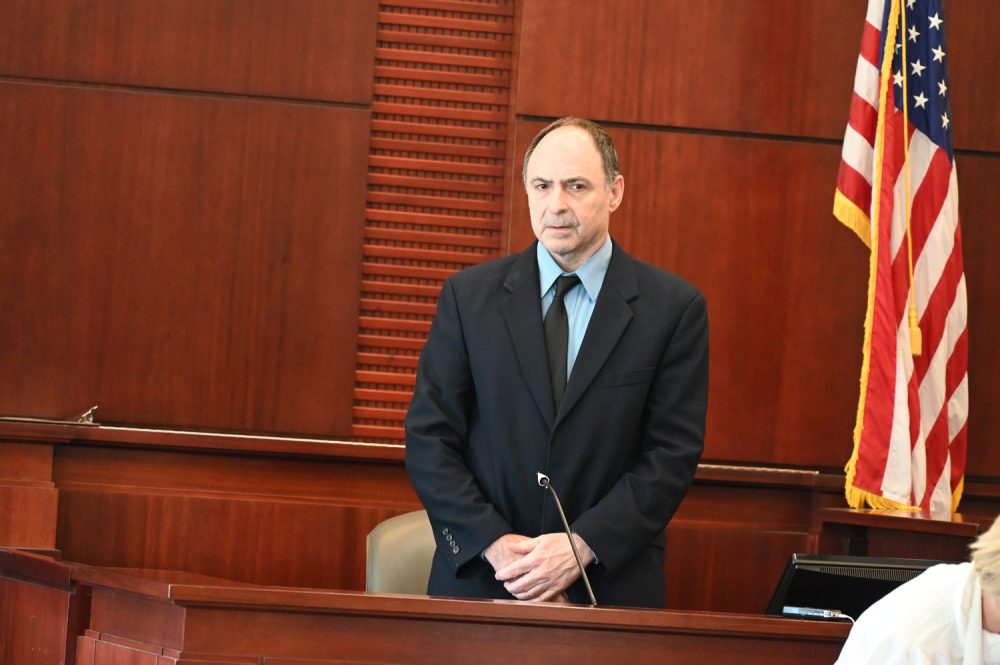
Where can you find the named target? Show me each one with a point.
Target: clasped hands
(540, 568)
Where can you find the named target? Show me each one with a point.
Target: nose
(557, 201)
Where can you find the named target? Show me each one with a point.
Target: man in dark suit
(620, 439)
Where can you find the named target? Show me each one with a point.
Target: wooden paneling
(28, 498)
(435, 184)
(738, 569)
(255, 539)
(979, 199)
(748, 222)
(763, 66)
(306, 49)
(973, 32)
(299, 521)
(759, 66)
(32, 623)
(179, 260)
(191, 620)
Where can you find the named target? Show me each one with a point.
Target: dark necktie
(557, 337)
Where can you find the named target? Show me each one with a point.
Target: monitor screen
(845, 584)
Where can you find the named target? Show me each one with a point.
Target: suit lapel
(523, 314)
(611, 316)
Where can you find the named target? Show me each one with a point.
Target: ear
(617, 192)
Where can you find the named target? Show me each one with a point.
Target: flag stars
(919, 101)
(938, 54)
(918, 69)
(942, 88)
(910, 3)
(914, 33)
(936, 22)
(897, 78)
(944, 120)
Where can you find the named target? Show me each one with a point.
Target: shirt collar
(591, 273)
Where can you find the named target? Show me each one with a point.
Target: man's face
(568, 198)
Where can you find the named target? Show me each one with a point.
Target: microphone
(543, 481)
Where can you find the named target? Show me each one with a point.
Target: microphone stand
(543, 481)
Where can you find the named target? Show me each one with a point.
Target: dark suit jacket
(621, 451)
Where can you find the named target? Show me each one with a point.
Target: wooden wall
(235, 215)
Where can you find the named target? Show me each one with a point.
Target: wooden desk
(141, 617)
(895, 533)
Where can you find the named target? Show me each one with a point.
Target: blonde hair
(986, 558)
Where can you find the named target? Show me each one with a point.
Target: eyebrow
(566, 181)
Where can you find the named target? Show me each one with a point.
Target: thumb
(524, 546)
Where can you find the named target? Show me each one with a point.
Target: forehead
(565, 152)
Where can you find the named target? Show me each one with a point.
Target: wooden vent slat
(493, 79)
(437, 166)
(426, 182)
(436, 128)
(471, 61)
(436, 220)
(489, 45)
(440, 94)
(498, 25)
(456, 6)
(436, 202)
(429, 238)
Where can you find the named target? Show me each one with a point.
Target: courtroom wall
(235, 215)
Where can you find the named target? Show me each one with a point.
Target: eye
(541, 186)
(577, 187)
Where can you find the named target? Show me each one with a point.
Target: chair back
(400, 550)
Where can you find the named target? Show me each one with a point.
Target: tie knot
(564, 283)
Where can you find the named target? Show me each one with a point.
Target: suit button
(454, 550)
(444, 531)
(450, 539)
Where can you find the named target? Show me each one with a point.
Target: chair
(400, 550)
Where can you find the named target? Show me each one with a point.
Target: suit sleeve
(639, 505)
(464, 521)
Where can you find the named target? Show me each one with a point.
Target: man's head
(571, 176)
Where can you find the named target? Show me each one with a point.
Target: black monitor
(848, 584)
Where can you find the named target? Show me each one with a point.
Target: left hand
(547, 567)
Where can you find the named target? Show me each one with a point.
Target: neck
(991, 612)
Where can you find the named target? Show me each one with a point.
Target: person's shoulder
(915, 618)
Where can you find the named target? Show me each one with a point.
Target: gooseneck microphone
(543, 481)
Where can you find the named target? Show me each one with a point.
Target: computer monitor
(848, 584)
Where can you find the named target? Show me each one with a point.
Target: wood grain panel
(179, 261)
(748, 222)
(773, 67)
(305, 49)
(727, 569)
(28, 497)
(253, 539)
(973, 32)
(255, 477)
(435, 184)
(33, 622)
(747, 65)
(979, 199)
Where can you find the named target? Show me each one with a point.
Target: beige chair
(400, 551)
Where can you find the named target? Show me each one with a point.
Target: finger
(514, 570)
(524, 546)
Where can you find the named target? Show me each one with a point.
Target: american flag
(910, 433)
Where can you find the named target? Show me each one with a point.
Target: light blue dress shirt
(581, 299)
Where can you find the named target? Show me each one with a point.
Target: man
(950, 613)
(620, 439)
